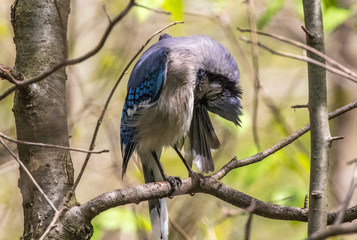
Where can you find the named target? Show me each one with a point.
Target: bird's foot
(175, 183)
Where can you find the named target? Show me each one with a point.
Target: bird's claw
(175, 183)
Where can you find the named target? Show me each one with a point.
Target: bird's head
(217, 85)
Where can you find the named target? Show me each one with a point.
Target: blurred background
(283, 178)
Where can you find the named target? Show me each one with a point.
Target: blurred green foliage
(272, 8)
(119, 219)
(334, 16)
(175, 7)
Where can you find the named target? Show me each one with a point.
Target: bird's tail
(157, 207)
(201, 140)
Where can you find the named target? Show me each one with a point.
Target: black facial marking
(226, 84)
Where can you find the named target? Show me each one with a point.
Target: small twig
(304, 59)
(248, 226)
(306, 201)
(352, 161)
(50, 145)
(347, 200)
(256, 80)
(107, 14)
(308, 33)
(331, 139)
(153, 9)
(300, 106)
(53, 222)
(28, 174)
(179, 229)
(10, 74)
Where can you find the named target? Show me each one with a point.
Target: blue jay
(170, 91)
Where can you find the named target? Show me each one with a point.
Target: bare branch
(248, 226)
(255, 60)
(335, 138)
(28, 174)
(50, 145)
(210, 185)
(304, 59)
(73, 61)
(179, 229)
(10, 74)
(234, 163)
(107, 14)
(153, 9)
(308, 33)
(334, 231)
(53, 222)
(304, 47)
(300, 106)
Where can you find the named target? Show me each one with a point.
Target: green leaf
(272, 9)
(334, 16)
(175, 7)
(329, 3)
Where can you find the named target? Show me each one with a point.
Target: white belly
(165, 122)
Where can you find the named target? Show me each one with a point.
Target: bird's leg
(175, 182)
(196, 176)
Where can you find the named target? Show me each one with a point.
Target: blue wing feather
(144, 87)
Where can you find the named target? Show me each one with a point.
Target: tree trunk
(40, 108)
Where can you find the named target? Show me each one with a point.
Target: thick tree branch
(81, 215)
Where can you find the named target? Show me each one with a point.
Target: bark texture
(40, 108)
(320, 134)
